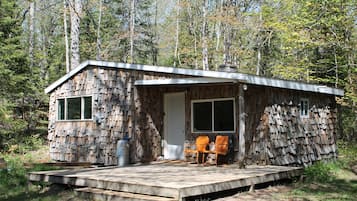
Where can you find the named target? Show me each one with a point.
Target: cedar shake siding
(93, 107)
(277, 134)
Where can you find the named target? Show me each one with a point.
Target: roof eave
(249, 79)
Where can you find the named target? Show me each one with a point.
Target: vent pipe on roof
(229, 68)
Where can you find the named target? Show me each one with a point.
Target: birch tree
(204, 36)
(32, 33)
(75, 13)
(99, 43)
(66, 42)
(177, 33)
(132, 27)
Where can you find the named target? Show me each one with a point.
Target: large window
(76, 108)
(304, 108)
(216, 115)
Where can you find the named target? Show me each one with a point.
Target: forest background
(312, 41)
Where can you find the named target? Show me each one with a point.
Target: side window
(74, 108)
(304, 108)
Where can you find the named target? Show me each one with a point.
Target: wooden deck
(168, 180)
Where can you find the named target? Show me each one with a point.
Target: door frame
(166, 123)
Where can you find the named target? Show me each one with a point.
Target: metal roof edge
(183, 81)
(250, 79)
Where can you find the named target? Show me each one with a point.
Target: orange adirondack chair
(221, 146)
(202, 142)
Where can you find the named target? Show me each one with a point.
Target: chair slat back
(221, 144)
(201, 143)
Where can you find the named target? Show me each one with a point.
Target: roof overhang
(239, 77)
(184, 81)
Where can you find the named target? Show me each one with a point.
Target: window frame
(213, 115)
(66, 108)
(63, 110)
(302, 108)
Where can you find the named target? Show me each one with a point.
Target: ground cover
(334, 181)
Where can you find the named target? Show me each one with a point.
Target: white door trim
(173, 144)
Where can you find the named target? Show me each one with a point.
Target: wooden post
(241, 149)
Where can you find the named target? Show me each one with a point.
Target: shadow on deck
(168, 181)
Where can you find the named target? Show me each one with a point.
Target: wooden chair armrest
(190, 151)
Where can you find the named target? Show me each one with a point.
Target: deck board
(168, 180)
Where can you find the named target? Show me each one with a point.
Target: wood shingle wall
(275, 133)
(119, 109)
(282, 137)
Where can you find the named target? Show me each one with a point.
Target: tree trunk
(132, 26)
(218, 34)
(44, 61)
(65, 4)
(32, 34)
(259, 58)
(193, 28)
(204, 36)
(195, 50)
(99, 43)
(259, 44)
(177, 32)
(336, 66)
(155, 38)
(76, 11)
(226, 45)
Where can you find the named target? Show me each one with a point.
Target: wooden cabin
(163, 109)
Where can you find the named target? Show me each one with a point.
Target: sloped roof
(240, 77)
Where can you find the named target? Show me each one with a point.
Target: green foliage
(15, 174)
(347, 153)
(349, 124)
(21, 97)
(14, 183)
(325, 172)
(321, 171)
(330, 180)
(304, 40)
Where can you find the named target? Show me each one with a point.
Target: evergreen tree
(20, 94)
(13, 67)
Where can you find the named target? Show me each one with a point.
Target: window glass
(60, 110)
(202, 116)
(73, 108)
(87, 108)
(304, 108)
(224, 115)
(213, 116)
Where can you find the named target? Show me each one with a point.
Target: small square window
(304, 108)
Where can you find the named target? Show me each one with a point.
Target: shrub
(347, 153)
(321, 171)
(14, 174)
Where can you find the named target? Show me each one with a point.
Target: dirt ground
(271, 193)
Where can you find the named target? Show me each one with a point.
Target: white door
(174, 129)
